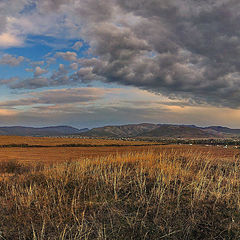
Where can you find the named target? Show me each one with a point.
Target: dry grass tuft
(147, 195)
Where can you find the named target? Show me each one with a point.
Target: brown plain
(62, 154)
(118, 192)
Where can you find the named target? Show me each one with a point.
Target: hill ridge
(162, 131)
(40, 131)
(126, 130)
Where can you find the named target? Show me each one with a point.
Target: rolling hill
(130, 130)
(151, 130)
(177, 131)
(223, 131)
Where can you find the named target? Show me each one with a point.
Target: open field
(56, 141)
(127, 192)
(63, 154)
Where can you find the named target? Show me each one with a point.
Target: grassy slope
(130, 130)
(151, 130)
(177, 132)
(177, 195)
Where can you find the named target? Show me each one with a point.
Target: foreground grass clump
(178, 195)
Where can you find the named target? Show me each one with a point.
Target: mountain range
(43, 131)
(162, 131)
(143, 130)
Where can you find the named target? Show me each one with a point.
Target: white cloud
(68, 56)
(9, 40)
(39, 71)
(8, 59)
(74, 66)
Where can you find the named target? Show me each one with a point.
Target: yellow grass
(63, 154)
(161, 192)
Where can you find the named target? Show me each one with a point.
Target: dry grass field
(63, 154)
(131, 192)
(54, 141)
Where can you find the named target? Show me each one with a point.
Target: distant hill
(177, 131)
(130, 130)
(142, 130)
(223, 130)
(43, 131)
(151, 130)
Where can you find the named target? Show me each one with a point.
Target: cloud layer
(57, 97)
(184, 49)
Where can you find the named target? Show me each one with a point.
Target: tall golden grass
(145, 195)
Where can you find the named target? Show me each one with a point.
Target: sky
(90, 63)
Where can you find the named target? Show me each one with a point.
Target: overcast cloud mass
(179, 54)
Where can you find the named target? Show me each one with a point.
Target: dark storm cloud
(181, 48)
